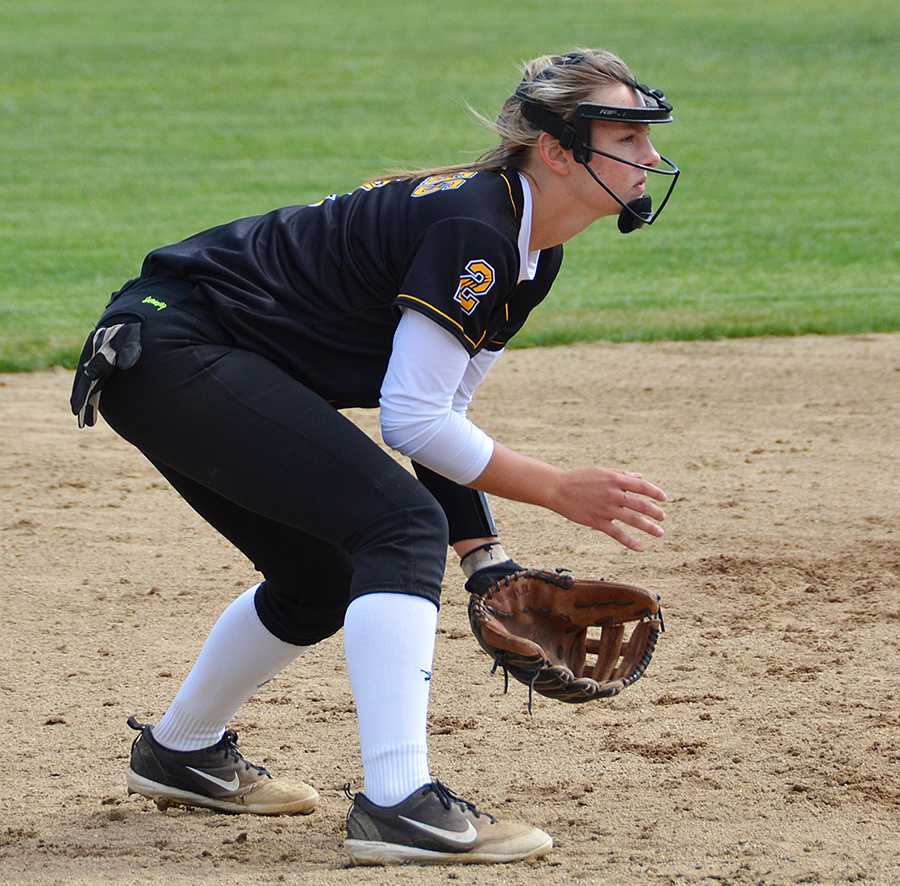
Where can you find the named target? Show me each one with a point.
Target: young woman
(227, 362)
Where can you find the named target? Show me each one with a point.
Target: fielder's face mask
(576, 137)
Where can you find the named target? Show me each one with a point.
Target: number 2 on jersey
(477, 281)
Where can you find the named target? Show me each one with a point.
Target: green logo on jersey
(159, 305)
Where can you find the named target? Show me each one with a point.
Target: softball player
(227, 362)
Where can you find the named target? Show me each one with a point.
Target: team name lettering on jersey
(448, 181)
(477, 281)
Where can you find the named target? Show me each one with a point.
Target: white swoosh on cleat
(232, 785)
(459, 838)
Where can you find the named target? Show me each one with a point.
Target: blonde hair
(558, 83)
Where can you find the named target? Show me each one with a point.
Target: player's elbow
(406, 436)
(393, 436)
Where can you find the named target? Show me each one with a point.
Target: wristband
(488, 554)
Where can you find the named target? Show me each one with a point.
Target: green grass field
(128, 125)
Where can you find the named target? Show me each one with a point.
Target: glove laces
(500, 662)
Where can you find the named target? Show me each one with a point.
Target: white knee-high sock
(389, 644)
(239, 655)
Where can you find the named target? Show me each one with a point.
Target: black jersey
(319, 288)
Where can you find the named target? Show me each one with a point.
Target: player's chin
(610, 210)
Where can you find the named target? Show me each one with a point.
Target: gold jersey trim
(511, 198)
(458, 325)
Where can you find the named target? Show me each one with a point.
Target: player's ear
(553, 155)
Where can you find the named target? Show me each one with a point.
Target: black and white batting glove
(107, 348)
(486, 564)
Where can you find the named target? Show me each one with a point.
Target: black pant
(323, 513)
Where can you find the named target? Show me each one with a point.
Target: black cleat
(217, 777)
(434, 826)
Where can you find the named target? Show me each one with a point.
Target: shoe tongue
(448, 798)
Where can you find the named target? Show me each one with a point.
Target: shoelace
(229, 747)
(227, 743)
(448, 798)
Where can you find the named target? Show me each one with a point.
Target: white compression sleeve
(425, 372)
(478, 368)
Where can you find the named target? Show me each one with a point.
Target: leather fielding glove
(535, 625)
(107, 348)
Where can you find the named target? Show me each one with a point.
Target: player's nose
(652, 157)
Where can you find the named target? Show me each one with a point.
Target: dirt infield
(761, 747)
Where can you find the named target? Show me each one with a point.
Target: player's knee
(301, 614)
(434, 522)
(423, 525)
(405, 551)
(413, 519)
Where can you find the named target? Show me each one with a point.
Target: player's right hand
(604, 499)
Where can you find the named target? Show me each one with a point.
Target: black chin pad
(642, 207)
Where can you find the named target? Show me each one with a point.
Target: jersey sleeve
(528, 295)
(459, 271)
